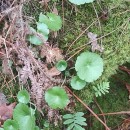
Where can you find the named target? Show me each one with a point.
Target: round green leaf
(77, 83)
(10, 125)
(35, 40)
(42, 28)
(56, 97)
(89, 66)
(61, 65)
(23, 96)
(79, 2)
(22, 114)
(52, 20)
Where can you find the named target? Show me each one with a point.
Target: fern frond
(102, 88)
(75, 121)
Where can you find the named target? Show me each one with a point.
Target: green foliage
(75, 121)
(79, 2)
(25, 118)
(43, 29)
(10, 125)
(89, 66)
(77, 83)
(23, 96)
(34, 40)
(52, 20)
(23, 115)
(102, 88)
(61, 65)
(56, 97)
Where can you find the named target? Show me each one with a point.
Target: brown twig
(124, 69)
(85, 105)
(114, 113)
(104, 118)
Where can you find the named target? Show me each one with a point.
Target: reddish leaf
(53, 72)
(3, 99)
(94, 43)
(6, 112)
(128, 87)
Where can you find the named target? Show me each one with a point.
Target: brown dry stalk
(104, 118)
(85, 105)
(124, 69)
(114, 113)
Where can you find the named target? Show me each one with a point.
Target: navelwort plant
(77, 83)
(75, 121)
(89, 67)
(23, 115)
(46, 23)
(56, 97)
